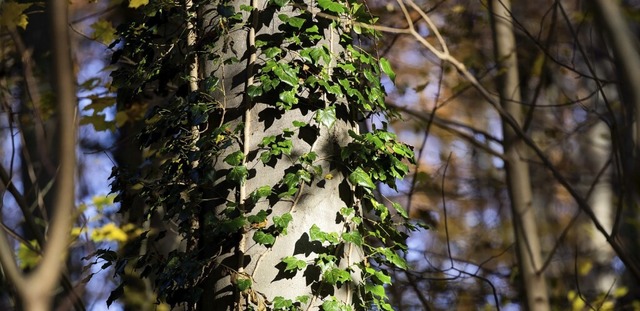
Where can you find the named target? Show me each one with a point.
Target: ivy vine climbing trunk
(258, 157)
(518, 181)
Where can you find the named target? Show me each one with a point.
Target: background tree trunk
(517, 170)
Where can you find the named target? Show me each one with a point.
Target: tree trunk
(315, 204)
(528, 249)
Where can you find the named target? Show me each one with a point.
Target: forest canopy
(319, 155)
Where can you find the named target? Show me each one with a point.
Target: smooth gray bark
(528, 249)
(317, 203)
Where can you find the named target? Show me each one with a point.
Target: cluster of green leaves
(301, 70)
(297, 69)
(180, 153)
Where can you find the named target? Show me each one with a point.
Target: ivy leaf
(393, 258)
(243, 284)
(400, 210)
(386, 68)
(335, 305)
(287, 74)
(326, 116)
(331, 6)
(260, 193)
(299, 124)
(376, 290)
(289, 98)
(254, 91)
(234, 158)
(361, 178)
(238, 174)
(280, 303)
(246, 8)
(232, 225)
(293, 263)
(280, 3)
(282, 222)
(293, 21)
(272, 52)
(353, 237)
(380, 276)
(334, 276)
(265, 239)
(315, 234)
(261, 216)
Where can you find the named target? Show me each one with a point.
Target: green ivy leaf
(272, 52)
(334, 276)
(380, 276)
(361, 178)
(293, 21)
(268, 140)
(287, 74)
(261, 216)
(400, 210)
(353, 237)
(280, 3)
(334, 305)
(293, 263)
(282, 222)
(234, 158)
(331, 6)
(326, 116)
(238, 174)
(376, 290)
(289, 98)
(232, 225)
(254, 90)
(315, 234)
(265, 239)
(386, 68)
(299, 124)
(280, 303)
(393, 258)
(246, 8)
(260, 193)
(243, 284)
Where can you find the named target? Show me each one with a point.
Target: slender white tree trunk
(528, 249)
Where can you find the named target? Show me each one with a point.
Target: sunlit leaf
(386, 68)
(264, 238)
(104, 32)
(137, 3)
(12, 14)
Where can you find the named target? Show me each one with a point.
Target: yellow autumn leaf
(12, 14)
(103, 31)
(108, 232)
(27, 257)
(121, 118)
(584, 267)
(100, 201)
(137, 3)
(577, 303)
(620, 292)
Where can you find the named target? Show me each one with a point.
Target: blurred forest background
(568, 87)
